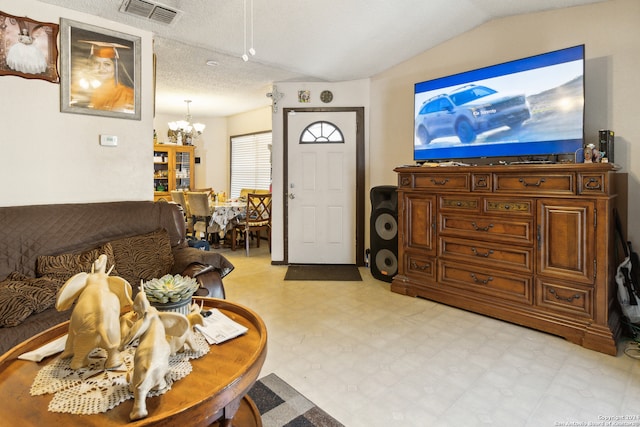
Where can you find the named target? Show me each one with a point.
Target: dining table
(225, 215)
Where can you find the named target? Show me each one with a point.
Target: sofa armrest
(208, 278)
(183, 256)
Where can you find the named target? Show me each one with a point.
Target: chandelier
(183, 132)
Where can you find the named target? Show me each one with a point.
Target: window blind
(250, 162)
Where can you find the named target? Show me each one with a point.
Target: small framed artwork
(28, 48)
(100, 71)
(304, 96)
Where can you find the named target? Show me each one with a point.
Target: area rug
(324, 272)
(280, 405)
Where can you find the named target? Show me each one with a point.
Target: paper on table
(219, 328)
(55, 346)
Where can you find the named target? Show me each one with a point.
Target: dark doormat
(326, 272)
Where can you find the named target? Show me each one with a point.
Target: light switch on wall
(109, 140)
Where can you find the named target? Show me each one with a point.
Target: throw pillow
(63, 267)
(20, 296)
(144, 257)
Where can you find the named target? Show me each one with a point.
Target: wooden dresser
(529, 244)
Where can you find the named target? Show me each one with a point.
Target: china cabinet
(173, 167)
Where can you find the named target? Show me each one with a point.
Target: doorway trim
(360, 170)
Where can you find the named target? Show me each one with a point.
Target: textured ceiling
(294, 40)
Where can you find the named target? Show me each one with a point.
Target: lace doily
(93, 389)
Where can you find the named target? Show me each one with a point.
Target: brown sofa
(41, 246)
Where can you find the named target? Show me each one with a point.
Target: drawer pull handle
(528, 184)
(484, 282)
(477, 228)
(415, 266)
(558, 297)
(593, 184)
(443, 182)
(486, 254)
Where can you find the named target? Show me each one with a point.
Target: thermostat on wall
(109, 140)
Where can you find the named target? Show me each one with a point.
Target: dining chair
(178, 196)
(257, 218)
(200, 211)
(207, 190)
(244, 192)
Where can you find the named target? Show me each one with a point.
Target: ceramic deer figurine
(95, 320)
(177, 344)
(151, 359)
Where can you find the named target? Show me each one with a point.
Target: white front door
(322, 188)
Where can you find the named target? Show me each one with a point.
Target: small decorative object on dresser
(529, 244)
(589, 153)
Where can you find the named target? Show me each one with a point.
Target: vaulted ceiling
(294, 40)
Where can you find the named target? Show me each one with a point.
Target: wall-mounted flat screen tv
(523, 109)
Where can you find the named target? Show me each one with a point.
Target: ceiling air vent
(149, 10)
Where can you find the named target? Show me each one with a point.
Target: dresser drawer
(488, 254)
(593, 183)
(481, 182)
(509, 230)
(454, 203)
(443, 182)
(420, 267)
(542, 183)
(486, 281)
(493, 206)
(565, 297)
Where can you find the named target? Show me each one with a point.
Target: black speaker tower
(384, 232)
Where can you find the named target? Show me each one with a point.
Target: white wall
(53, 157)
(250, 122)
(610, 32)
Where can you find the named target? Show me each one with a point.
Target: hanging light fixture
(183, 132)
(252, 51)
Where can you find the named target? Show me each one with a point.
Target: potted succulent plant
(171, 292)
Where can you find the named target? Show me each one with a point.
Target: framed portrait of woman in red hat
(100, 71)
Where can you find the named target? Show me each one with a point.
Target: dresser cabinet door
(566, 240)
(419, 223)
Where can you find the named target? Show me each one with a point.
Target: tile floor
(371, 357)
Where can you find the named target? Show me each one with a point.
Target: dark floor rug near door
(323, 272)
(280, 405)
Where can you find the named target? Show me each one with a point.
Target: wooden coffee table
(214, 392)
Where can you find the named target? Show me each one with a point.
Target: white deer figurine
(95, 318)
(151, 359)
(177, 343)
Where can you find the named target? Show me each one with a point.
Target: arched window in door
(321, 133)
